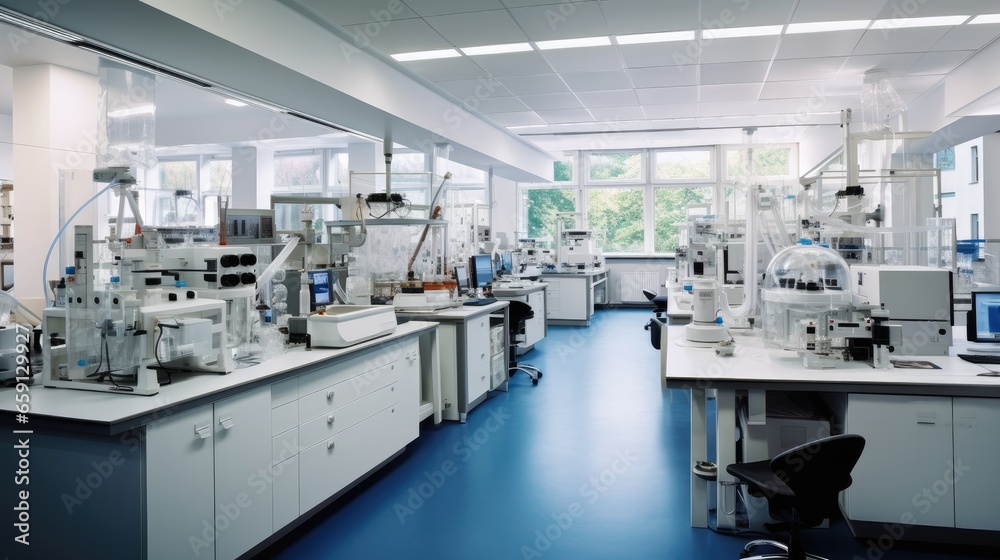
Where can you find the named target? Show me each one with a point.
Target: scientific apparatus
(919, 298)
(984, 322)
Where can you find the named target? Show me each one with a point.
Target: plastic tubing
(45, 265)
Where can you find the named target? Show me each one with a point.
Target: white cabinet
(534, 328)
(477, 352)
(209, 482)
(976, 464)
(907, 454)
(570, 297)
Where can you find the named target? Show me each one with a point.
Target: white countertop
(753, 366)
(500, 290)
(114, 413)
(460, 313)
(574, 273)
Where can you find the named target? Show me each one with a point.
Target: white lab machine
(578, 250)
(918, 298)
(339, 326)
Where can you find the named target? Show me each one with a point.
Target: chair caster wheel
(534, 382)
(539, 375)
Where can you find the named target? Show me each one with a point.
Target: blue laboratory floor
(590, 463)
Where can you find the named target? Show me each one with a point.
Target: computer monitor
(461, 277)
(984, 318)
(481, 270)
(319, 288)
(506, 264)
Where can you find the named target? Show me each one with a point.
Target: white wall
(504, 208)
(968, 196)
(6, 146)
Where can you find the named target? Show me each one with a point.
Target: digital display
(320, 289)
(462, 277)
(986, 312)
(482, 270)
(506, 265)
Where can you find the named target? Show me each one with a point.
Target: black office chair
(801, 487)
(518, 313)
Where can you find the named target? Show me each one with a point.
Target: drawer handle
(329, 420)
(203, 431)
(329, 395)
(227, 422)
(329, 445)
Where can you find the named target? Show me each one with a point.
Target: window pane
(615, 166)
(562, 169)
(221, 173)
(179, 207)
(540, 207)
(298, 173)
(461, 174)
(175, 175)
(615, 216)
(684, 164)
(340, 172)
(670, 211)
(767, 162)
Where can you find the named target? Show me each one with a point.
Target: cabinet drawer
(285, 445)
(333, 423)
(284, 392)
(347, 391)
(323, 378)
(284, 418)
(328, 467)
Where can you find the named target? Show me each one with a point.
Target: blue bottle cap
(688, 287)
(718, 320)
(180, 284)
(115, 279)
(805, 241)
(70, 270)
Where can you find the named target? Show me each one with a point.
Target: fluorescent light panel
(235, 103)
(986, 18)
(133, 111)
(426, 55)
(642, 38)
(573, 43)
(900, 23)
(729, 33)
(497, 49)
(821, 26)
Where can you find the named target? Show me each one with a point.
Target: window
(974, 226)
(178, 204)
(682, 164)
(768, 161)
(670, 212)
(538, 212)
(562, 169)
(945, 159)
(975, 165)
(614, 166)
(615, 215)
(299, 173)
(220, 173)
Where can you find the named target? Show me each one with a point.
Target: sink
(340, 326)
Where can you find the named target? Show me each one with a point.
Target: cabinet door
(553, 303)
(180, 485)
(908, 450)
(534, 329)
(243, 480)
(977, 463)
(477, 357)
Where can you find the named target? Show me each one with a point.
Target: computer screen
(984, 320)
(319, 288)
(481, 269)
(461, 277)
(506, 264)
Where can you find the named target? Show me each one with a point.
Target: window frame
(712, 165)
(643, 163)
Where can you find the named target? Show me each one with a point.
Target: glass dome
(808, 268)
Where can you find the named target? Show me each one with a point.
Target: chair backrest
(518, 313)
(818, 471)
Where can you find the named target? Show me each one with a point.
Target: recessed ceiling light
(235, 103)
(522, 126)
(821, 26)
(641, 38)
(497, 49)
(730, 32)
(133, 111)
(426, 55)
(573, 43)
(900, 23)
(986, 18)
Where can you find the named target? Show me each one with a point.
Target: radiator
(634, 282)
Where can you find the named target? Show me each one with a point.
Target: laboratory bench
(532, 294)
(572, 295)
(474, 345)
(930, 462)
(215, 466)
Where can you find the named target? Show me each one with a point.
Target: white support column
(253, 177)
(990, 181)
(54, 133)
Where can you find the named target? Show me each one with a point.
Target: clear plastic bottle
(304, 299)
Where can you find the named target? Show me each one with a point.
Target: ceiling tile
(446, 69)
(616, 98)
(968, 37)
(738, 49)
(523, 3)
(675, 53)
(597, 81)
(725, 109)
(733, 73)
(478, 28)
(806, 105)
(482, 87)
(841, 10)
(893, 63)
(618, 114)
(664, 96)
(519, 118)
(513, 64)
(500, 105)
(805, 69)
(584, 59)
(914, 84)
(745, 13)
(405, 35)
(565, 20)
(534, 85)
(818, 45)
(551, 101)
(566, 116)
(664, 76)
(924, 8)
(672, 111)
(879, 41)
(346, 14)
(441, 7)
(649, 16)
(939, 62)
(850, 85)
(729, 92)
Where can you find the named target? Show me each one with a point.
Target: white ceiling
(793, 79)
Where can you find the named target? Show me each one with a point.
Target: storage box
(498, 371)
(496, 339)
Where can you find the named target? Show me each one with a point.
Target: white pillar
(990, 181)
(253, 177)
(54, 132)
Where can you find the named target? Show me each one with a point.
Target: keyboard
(483, 301)
(981, 358)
